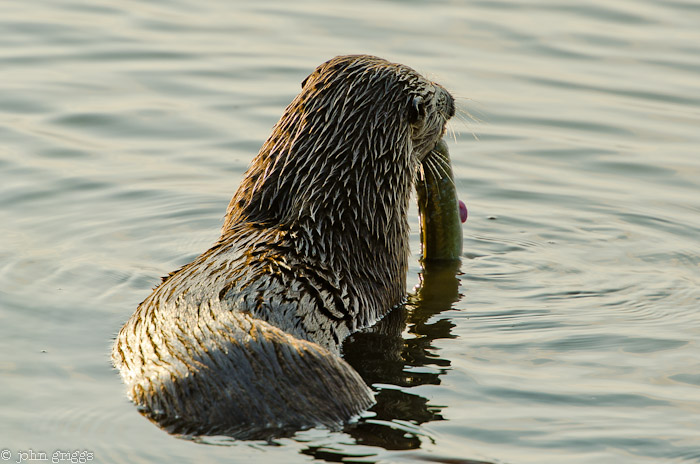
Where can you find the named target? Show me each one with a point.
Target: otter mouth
(440, 210)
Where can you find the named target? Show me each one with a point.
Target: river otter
(245, 340)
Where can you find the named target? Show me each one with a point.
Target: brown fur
(245, 339)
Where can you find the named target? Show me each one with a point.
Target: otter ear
(416, 112)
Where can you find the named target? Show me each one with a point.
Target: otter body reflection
(245, 340)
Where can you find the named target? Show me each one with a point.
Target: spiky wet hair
(359, 123)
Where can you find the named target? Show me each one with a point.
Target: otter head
(375, 87)
(341, 161)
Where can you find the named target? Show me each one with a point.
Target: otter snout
(445, 100)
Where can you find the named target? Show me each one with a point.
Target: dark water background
(571, 331)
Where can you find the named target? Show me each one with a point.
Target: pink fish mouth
(463, 213)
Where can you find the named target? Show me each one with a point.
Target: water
(571, 331)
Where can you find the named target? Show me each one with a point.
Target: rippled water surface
(570, 333)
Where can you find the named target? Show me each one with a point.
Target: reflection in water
(391, 363)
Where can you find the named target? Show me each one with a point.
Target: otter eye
(416, 112)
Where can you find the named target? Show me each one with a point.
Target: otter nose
(450, 103)
(447, 101)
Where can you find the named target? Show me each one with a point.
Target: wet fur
(245, 340)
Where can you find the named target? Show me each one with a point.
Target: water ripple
(126, 128)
